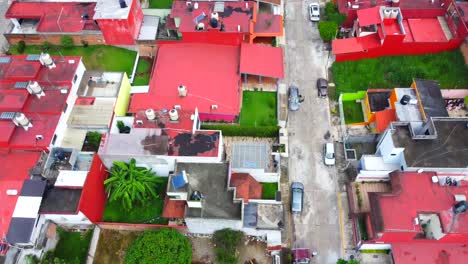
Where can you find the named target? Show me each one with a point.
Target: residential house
(110, 22)
(428, 227)
(210, 197)
(410, 27)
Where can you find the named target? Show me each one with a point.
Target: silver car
(297, 197)
(295, 99)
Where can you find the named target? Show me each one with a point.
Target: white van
(329, 154)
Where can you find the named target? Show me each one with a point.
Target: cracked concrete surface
(318, 228)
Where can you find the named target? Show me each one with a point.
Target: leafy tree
(21, 46)
(130, 184)
(226, 242)
(162, 246)
(67, 42)
(327, 29)
(342, 261)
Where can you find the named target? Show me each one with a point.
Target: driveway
(318, 227)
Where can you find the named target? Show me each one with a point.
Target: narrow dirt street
(318, 227)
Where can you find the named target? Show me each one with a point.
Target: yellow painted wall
(123, 99)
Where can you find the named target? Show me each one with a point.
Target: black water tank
(214, 23)
(122, 4)
(460, 207)
(405, 99)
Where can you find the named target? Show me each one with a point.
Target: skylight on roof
(219, 7)
(33, 57)
(7, 115)
(5, 59)
(19, 85)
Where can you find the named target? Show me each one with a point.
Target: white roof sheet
(149, 28)
(71, 178)
(27, 206)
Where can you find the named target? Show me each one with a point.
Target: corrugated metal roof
(149, 28)
(5, 59)
(33, 57)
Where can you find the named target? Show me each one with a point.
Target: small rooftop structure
(54, 16)
(431, 98)
(246, 186)
(211, 181)
(408, 112)
(112, 9)
(448, 149)
(250, 155)
(149, 28)
(261, 60)
(100, 84)
(263, 216)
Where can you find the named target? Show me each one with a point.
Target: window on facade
(54, 139)
(75, 78)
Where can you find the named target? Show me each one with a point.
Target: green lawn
(269, 190)
(258, 109)
(72, 247)
(143, 71)
(398, 71)
(150, 213)
(353, 112)
(162, 4)
(98, 57)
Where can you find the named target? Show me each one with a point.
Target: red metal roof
(423, 253)
(246, 186)
(234, 14)
(44, 112)
(383, 119)
(210, 73)
(15, 169)
(173, 209)
(427, 30)
(417, 194)
(369, 16)
(351, 45)
(261, 60)
(55, 16)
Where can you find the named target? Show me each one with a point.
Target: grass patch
(243, 131)
(363, 228)
(150, 213)
(269, 190)
(161, 4)
(398, 71)
(258, 109)
(353, 112)
(143, 72)
(72, 247)
(375, 251)
(98, 57)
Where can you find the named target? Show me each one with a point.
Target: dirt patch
(113, 246)
(249, 250)
(202, 250)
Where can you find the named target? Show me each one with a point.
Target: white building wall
(68, 219)
(71, 99)
(368, 246)
(387, 149)
(209, 226)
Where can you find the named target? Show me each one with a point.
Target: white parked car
(329, 154)
(314, 12)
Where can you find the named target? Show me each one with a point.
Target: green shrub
(21, 46)
(67, 42)
(84, 43)
(31, 259)
(330, 8)
(225, 243)
(269, 190)
(46, 46)
(244, 131)
(164, 246)
(338, 18)
(93, 138)
(327, 30)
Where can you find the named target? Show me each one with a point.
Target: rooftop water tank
(173, 115)
(182, 90)
(150, 114)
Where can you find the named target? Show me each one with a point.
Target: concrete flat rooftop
(448, 150)
(211, 181)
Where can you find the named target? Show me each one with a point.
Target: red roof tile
(369, 16)
(383, 119)
(351, 45)
(210, 73)
(15, 169)
(423, 253)
(55, 16)
(419, 194)
(246, 186)
(173, 209)
(261, 60)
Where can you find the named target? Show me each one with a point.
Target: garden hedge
(243, 131)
